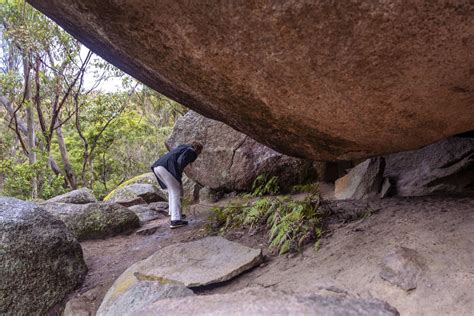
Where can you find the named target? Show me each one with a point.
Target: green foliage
(109, 136)
(305, 188)
(262, 185)
(18, 177)
(290, 224)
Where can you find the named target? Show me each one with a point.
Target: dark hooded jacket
(175, 161)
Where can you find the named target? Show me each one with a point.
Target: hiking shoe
(179, 223)
(183, 216)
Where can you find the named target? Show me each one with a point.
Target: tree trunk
(70, 177)
(30, 125)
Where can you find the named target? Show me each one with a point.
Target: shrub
(290, 224)
(262, 185)
(18, 178)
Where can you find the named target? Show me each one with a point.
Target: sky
(109, 85)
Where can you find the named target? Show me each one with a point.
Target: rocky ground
(423, 247)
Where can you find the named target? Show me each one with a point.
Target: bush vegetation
(290, 224)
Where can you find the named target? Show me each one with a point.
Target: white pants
(174, 191)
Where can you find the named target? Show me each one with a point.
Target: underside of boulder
(325, 80)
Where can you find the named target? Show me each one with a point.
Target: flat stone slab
(261, 301)
(192, 264)
(202, 262)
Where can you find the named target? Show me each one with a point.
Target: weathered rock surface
(94, 220)
(79, 196)
(231, 160)
(161, 207)
(82, 304)
(387, 188)
(443, 167)
(149, 229)
(197, 263)
(40, 259)
(136, 194)
(363, 181)
(191, 189)
(260, 301)
(208, 195)
(403, 267)
(317, 79)
(146, 213)
(142, 294)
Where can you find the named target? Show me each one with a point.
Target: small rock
(362, 182)
(403, 267)
(83, 304)
(161, 207)
(79, 196)
(145, 213)
(148, 229)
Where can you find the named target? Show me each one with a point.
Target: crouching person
(169, 171)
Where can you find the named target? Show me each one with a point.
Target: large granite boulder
(318, 79)
(444, 167)
(261, 301)
(363, 181)
(79, 196)
(230, 160)
(94, 220)
(40, 259)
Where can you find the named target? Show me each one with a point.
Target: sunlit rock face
(323, 79)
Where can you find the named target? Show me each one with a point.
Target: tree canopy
(59, 129)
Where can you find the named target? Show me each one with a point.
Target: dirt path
(440, 229)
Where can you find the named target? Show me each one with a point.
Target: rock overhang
(322, 80)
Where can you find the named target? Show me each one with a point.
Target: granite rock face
(321, 79)
(444, 167)
(230, 160)
(40, 259)
(260, 301)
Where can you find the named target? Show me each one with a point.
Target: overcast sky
(109, 85)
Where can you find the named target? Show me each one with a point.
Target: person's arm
(188, 156)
